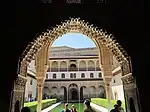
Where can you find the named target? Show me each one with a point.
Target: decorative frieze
(23, 68)
(20, 80)
(125, 68)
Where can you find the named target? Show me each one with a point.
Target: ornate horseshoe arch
(78, 26)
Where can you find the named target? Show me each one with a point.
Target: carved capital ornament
(128, 79)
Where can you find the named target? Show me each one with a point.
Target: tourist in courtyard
(73, 108)
(119, 103)
(88, 107)
(116, 109)
(66, 108)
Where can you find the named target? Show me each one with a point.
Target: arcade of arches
(74, 92)
(107, 48)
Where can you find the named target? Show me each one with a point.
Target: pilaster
(130, 91)
(18, 93)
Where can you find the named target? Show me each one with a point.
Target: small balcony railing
(91, 69)
(73, 69)
(54, 69)
(63, 69)
(82, 69)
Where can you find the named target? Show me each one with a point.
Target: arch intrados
(83, 87)
(82, 62)
(63, 62)
(99, 37)
(63, 87)
(100, 86)
(73, 89)
(54, 87)
(53, 62)
(73, 84)
(45, 87)
(91, 61)
(92, 87)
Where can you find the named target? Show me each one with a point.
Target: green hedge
(45, 103)
(104, 102)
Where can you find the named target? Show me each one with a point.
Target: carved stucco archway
(106, 45)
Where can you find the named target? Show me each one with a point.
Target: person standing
(88, 106)
(116, 109)
(73, 108)
(66, 108)
(119, 103)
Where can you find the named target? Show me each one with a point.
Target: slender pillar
(58, 66)
(40, 82)
(41, 66)
(108, 93)
(78, 65)
(39, 99)
(79, 98)
(106, 70)
(95, 65)
(67, 66)
(67, 95)
(86, 65)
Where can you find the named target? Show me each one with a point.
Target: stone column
(40, 82)
(86, 65)
(41, 67)
(78, 65)
(58, 66)
(79, 96)
(95, 64)
(67, 66)
(67, 94)
(50, 65)
(108, 92)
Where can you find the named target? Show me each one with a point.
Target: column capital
(107, 80)
(21, 80)
(128, 79)
(40, 81)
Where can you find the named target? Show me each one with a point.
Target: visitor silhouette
(119, 106)
(25, 109)
(88, 106)
(73, 108)
(115, 108)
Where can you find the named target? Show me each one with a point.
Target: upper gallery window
(63, 75)
(91, 75)
(54, 76)
(82, 75)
